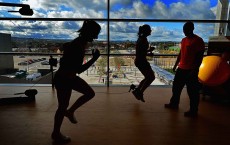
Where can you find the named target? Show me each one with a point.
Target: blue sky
(145, 9)
(168, 2)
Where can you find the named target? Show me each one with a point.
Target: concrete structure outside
(222, 13)
(7, 61)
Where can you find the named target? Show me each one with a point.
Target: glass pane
(124, 72)
(32, 69)
(165, 36)
(46, 36)
(164, 9)
(41, 37)
(59, 9)
(60, 30)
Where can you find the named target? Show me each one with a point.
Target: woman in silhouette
(66, 80)
(142, 49)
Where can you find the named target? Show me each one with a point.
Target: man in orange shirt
(188, 63)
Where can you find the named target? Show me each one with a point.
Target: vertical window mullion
(108, 41)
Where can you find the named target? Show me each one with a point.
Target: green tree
(101, 63)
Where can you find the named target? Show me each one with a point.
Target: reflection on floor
(114, 117)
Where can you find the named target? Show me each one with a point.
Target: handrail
(115, 20)
(56, 54)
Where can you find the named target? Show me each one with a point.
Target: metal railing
(124, 74)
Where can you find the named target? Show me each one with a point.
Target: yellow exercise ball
(214, 71)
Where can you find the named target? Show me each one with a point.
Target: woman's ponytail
(140, 31)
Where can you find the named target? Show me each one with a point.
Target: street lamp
(24, 10)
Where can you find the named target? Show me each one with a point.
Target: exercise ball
(213, 71)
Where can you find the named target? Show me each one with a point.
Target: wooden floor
(114, 117)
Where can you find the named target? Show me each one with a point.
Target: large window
(27, 42)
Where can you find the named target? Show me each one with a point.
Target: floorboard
(114, 117)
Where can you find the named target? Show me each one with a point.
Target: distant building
(7, 61)
(222, 13)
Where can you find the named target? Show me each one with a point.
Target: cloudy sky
(144, 9)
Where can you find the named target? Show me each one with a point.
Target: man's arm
(200, 54)
(199, 58)
(177, 62)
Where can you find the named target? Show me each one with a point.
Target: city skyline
(119, 31)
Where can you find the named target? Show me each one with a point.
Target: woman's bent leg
(82, 87)
(149, 78)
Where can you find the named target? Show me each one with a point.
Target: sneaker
(191, 114)
(71, 117)
(132, 87)
(171, 106)
(142, 98)
(59, 138)
(135, 93)
(138, 95)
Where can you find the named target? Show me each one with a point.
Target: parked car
(22, 63)
(30, 61)
(35, 60)
(45, 62)
(115, 76)
(33, 76)
(20, 74)
(39, 59)
(21, 56)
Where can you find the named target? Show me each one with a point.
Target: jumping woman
(142, 49)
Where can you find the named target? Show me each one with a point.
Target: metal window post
(108, 39)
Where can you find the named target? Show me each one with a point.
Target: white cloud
(196, 9)
(214, 9)
(75, 5)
